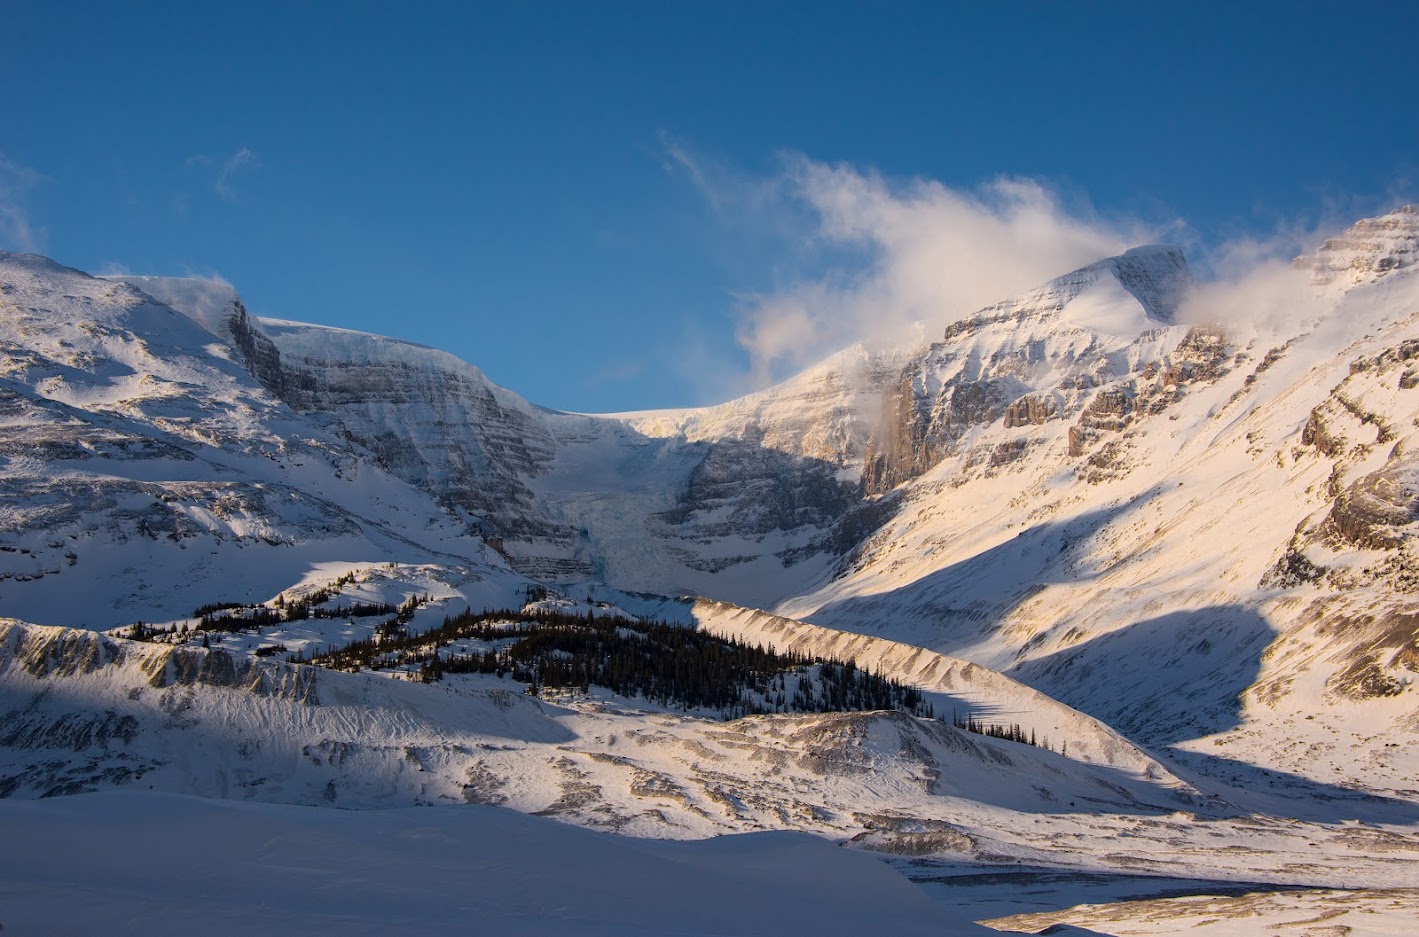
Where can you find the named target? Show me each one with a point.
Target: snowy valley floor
(153, 864)
(699, 827)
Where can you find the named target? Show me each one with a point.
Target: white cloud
(926, 254)
(1252, 283)
(1265, 297)
(17, 231)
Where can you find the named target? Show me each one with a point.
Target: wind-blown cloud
(243, 160)
(921, 254)
(227, 170)
(1251, 283)
(17, 231)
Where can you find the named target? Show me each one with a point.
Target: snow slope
(952, 684)
(827, 412)
(83, 712)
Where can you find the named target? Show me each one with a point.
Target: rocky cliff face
(427, 418)
(1031, 410)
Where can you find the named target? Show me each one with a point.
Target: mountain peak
(1367, 250)
(1117, 295)
(1156, 275)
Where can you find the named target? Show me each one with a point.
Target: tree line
(669, 664)
(997, 730)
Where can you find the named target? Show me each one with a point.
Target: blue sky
(624, 205)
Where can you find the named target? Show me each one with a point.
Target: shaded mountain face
(537, 482)
(427, 418)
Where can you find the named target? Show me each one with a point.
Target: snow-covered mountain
(151, 412)
(960, 497)
(563, 497)
(1182, 539)
(145, 467)
(1029, 360)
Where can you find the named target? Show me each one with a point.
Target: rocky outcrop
(49, 653)
(1373, 512)
(1405, 351)
(1031, 410)
(1079, 441)
(1373, 646)
(56, 652)
(1318, 433)
(1110, 409)
(189, 667)
(1200, 356)
(1008, 453)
